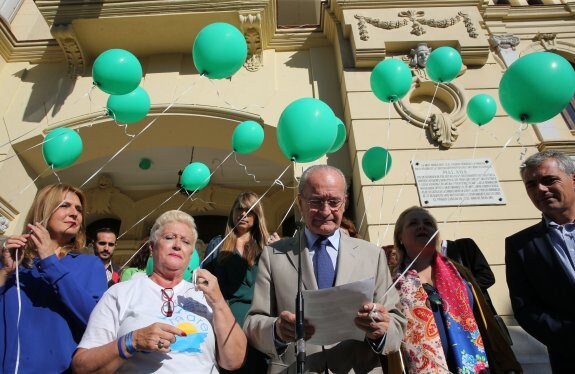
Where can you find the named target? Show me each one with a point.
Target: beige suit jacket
(276, 289)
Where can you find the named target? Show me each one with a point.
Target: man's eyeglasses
(167, 298)
(334, 204)
(433, 296)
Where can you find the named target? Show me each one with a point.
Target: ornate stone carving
(66, 38)
(250, 25)
(418, 55)
(442, 129)
(416, 17)
(386, 25)
(447, 113)
(105, 199)
(4, 222)
(504, 41)
(547, 40)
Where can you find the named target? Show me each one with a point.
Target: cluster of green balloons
(62, 147)
(537, 87)
(195, 176)
(118, 73)
(219, 50)
(376, 163)
(308, 129)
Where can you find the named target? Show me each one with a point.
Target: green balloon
(129, 108)
(390, 80)
(340, 137)
(306, 130)
(376, 163)
(248, 136)
(117, 72)
(219, 50)
(62, 147)
(195, 176)
(537, 87)
(443, 64)
(481, 109)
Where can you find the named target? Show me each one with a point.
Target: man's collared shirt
(332, 248)
(563, 241)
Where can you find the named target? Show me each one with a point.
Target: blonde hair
(174, 216)
(47, 200)
(259, 233)
(398, 230)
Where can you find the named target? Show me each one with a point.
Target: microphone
(299, 315)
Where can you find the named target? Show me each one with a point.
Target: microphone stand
(299, 310)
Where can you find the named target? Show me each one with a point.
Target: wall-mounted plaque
(457, 183)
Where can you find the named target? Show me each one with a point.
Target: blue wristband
(121, 350)
(129, 343)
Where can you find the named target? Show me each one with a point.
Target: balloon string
(134, 255)
(30, 148)
(11, 141)
(35, 179)
(476, 141)
(245, 169)
(415, 152)
(516, 135)
(246, 213)
(380, 212)
(286, 214)
(147, 215)
(230, 105)
(205, 179)
(409, 266)
(521, 128)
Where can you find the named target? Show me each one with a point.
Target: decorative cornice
(67, 39)
(57, 11)
(160, 110)
(251, 27)
(547, 40)
(504, 41)
(565, 146)
(33, 51)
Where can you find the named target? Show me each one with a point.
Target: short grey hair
(174, 216)
(564, 162)
(305, 176)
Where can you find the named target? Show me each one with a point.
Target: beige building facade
(321, 49)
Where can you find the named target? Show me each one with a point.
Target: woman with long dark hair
(235, 263)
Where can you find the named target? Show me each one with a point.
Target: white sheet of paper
(332, 311)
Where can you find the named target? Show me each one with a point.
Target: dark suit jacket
(466, 252)
(276, 289)
(542, 294)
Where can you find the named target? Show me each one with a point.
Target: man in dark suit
(466, 252)
(328, 258)
(540, 260)
(104, 245)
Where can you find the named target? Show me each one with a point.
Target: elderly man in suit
(328, 258)
(540, 260)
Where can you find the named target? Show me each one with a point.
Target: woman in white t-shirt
(163, 324)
